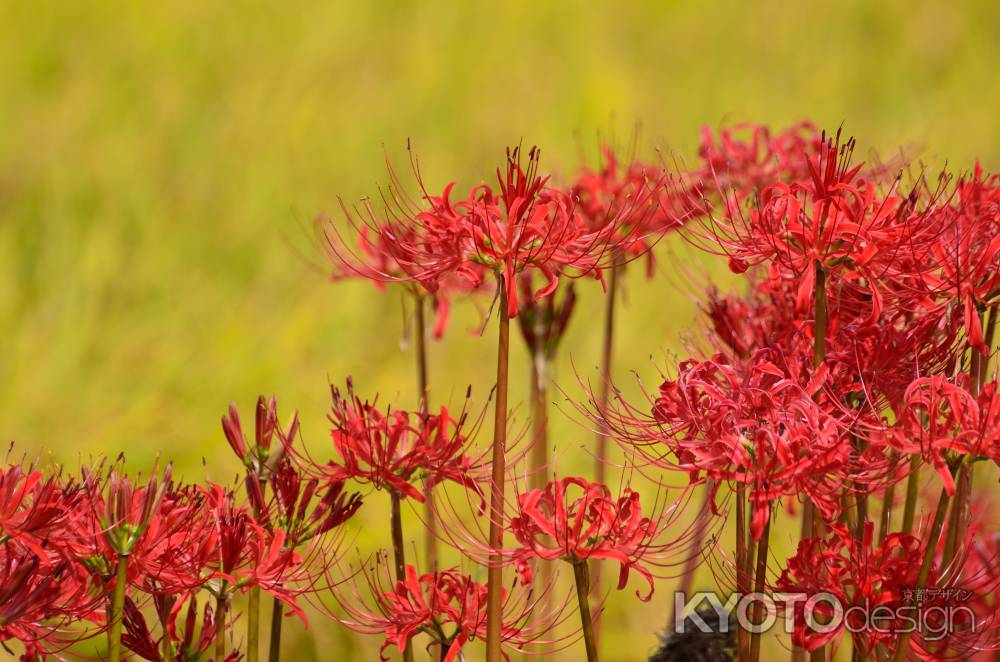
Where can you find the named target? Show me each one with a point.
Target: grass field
(161, 163)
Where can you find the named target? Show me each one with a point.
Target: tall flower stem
(580, 573)
(398, 553)
(253, 624)
(494, 596)
(741, 575)
(925, 567)
(607, 357)
(912, 491)
(761, 576)
(423, 389)
(540, 447)
(117, 610)
(814, 528)
(885, 519)
(220, 624)
(274, 650)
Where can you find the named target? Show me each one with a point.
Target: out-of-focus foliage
(160, 165)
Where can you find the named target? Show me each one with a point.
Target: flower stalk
(117, 609)
(580, 573)
(494, 600)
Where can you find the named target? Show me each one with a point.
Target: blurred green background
(160, 165)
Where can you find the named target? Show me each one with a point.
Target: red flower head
(856, 574)
(33, 509)
(964, 252)
(875, 585)
(307, 508)
(260, 457)
(941, 421)
(392, 450)
(756, 423)
(39, 598)
(245, 554)
(521, 226)
(448, 606)
(576, 520)
(833, 220)
(392, 247)
(632, 196)
(138, 638)
(748, 157)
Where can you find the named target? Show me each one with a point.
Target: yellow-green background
(160, 164)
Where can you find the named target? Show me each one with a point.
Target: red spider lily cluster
(860, 355)
(848, 392)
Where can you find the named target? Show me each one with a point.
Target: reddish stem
(607, 356)
(494, 597)
(398, 553)
(423, 389)
(583, 600)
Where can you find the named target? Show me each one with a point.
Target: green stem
(396, 521)
(741, 572)
(925, 567)
(253, 624)
(820, 320)
(118, 609)
(762, 548)
(912, 491)
(274, 649)
(423, 388)
(607, 357)
(494, 596)
(583, 600)
(220, 624)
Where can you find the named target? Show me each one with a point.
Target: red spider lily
(630, 196)
(543, 322)
(259, 457)
(39, 598)
(833, 221)
(856, 574)
(382, 256)
(392, 450)
(748, 157)
(183, 648)
(34, 509)
(942, 421)
(304, 509)
(965, 253)
(878, 580)
(244, 555)
(757, 423)
(524, 225)
(127, 509)
(448, 606)
(575, 520)
(394, 246)
(158, 527)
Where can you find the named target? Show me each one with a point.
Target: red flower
(448, 606)
(941, 421)
(523, 225)
(259, 457)
(576, 520)
(39, 597)
(138, 638)
(33, 509)
(392, 450)
(964, 253)
(851, 570)
(757, 423)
